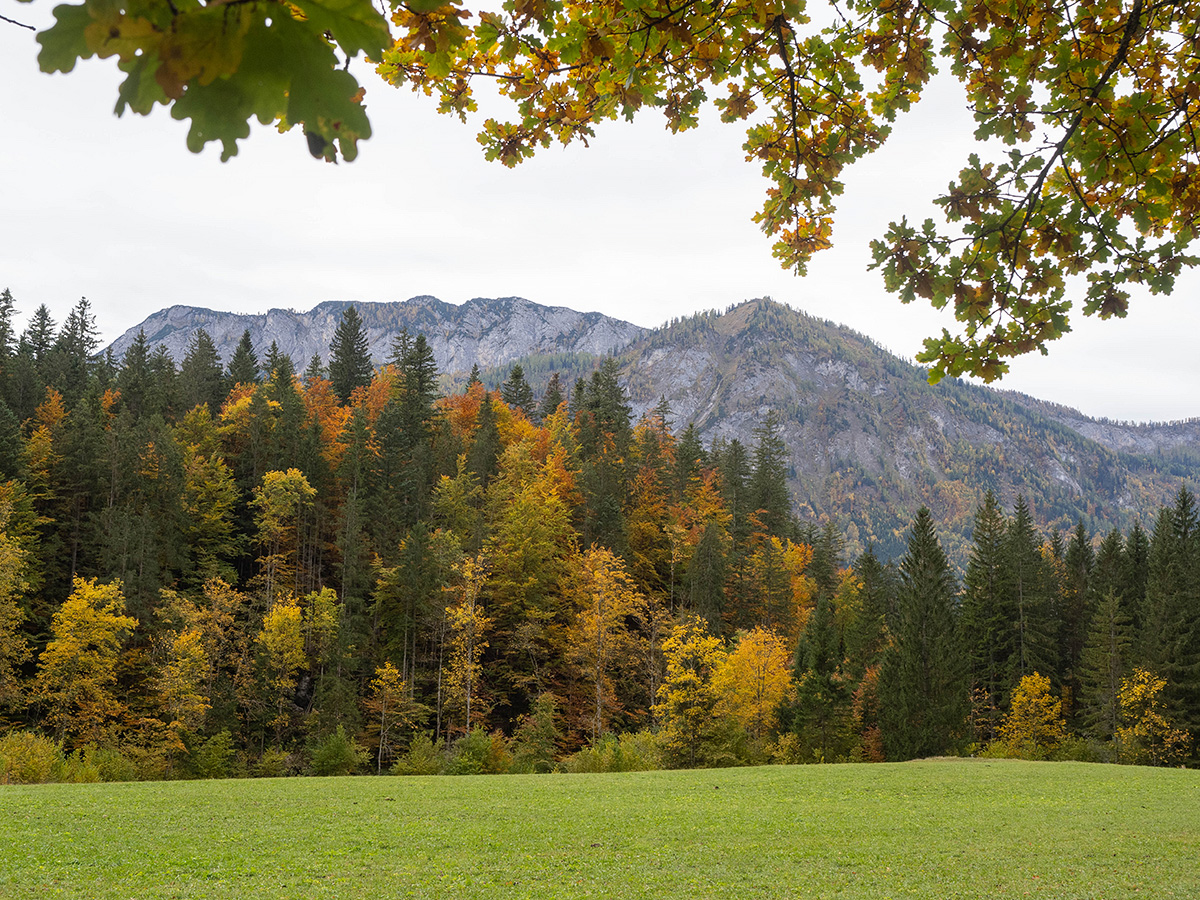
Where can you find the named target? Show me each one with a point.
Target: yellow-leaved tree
(1147, 735)
(690, 734)
(185, 679)
(76, 676)
(599, 640)
(1034, 726)
(468, 627)
(282, 643)
(755, 679)
(14, 649)
(279, 503)
(390, 710)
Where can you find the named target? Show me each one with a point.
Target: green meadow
(935, 828)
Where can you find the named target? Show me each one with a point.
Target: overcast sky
(643, 225)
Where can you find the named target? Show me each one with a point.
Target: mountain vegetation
(207, 570)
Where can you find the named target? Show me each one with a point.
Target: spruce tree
(279, 365)
(1026, 583)
(707, 572)
(1173, 597)
(821, 712)
(690, 459)
(201, 379)
(1077, 607)
(517, 393)
(552, 399)
(1103, 663)
(8, 337)
(922, 680)
(135, 379)
(349, 356)
(483, 460)
(987, 636)
(243, 365)
(769, 495)
(314, 371)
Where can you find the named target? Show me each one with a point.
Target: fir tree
(201, 379)
(1027, 604)
(821, 714)
(986, 622)
(1103, 663)
(690, 459)
(768, 484)
(243, 365)
(135, 379)
(706, 576)
(922, 683)
(279, 365)
(1076, 611)
(349, 356)
(314, 371)
(484, 457)
(552, 399)
(517, 393)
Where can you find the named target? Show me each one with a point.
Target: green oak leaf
(355, 24)
(64, 43)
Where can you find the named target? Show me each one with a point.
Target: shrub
(424, 757)
(274, 763)
(76, 768)
(337, 755)
(633, 752)
(214, 758)
(479, 753)
(27, 758)
(536, 739)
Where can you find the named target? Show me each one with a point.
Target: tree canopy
(1084, 184)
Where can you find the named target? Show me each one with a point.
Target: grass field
(936, 829)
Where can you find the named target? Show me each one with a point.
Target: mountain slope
(871, 440)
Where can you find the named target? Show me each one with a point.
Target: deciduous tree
(76, 678)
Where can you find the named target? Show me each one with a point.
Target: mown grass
(936, 829)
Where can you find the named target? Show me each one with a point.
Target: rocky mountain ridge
(487, 333)
(870, 440)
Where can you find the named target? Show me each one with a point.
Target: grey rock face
(483, 332)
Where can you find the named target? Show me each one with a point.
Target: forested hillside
(227, 566)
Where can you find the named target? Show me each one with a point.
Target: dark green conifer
(517, 393)
(552, 399)
(988, 638)
(922, 680)
(243, 365)
(349, 356)
(201, 379)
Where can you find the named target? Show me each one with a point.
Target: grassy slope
(929, 829)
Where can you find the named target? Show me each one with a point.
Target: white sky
(643, 225)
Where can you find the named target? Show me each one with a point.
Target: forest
(224, 568)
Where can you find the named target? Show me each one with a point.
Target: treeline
(215, 567)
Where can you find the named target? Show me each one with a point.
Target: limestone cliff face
(488, 333)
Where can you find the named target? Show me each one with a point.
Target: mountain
(870, 440)
(487, 333)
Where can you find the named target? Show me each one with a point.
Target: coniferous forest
(271, 566)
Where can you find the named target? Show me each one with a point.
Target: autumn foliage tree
(755, 681)
(76, 678)
(688, 697)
